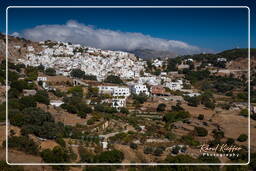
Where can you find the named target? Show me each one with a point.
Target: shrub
(140, 99)
(242, 138)
(124, 110)
(148, 150)
(6, 167)
(230, 141)
(218, 134)
(175, 116)
(114, 156)
(200, 117)
(50, 71)
(188, 139)
(28, 101)
(113, 79)
(200, 131)
(158, 151)
(133, 146)
(177, 107)
(42, 97)
(24, 144)
(244, 112)
(161, 107)
(85, 155)
(61, 142)
(193, 101)
(77, 73)
(56, 155)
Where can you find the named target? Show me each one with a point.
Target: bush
(61, 142)
(200, 117)
(161, 107)
(200, 131)
(218, 134)
(6, 167)
(242, 138)
(170, 136)
(85, 155)
(114, 156)
(50, 71)
(148, 150)
(193, 101)
(158, 151)
(244, 112)
(189, 140)
(133, 146)
(140, 99)
(28, 101)
(24, 144)
(113, 79)
(175, 116)
(124, 110)
(42, 97)
(177, 107)
(209, 104)
(90, 77)
(77, 73)
(230, 141)
(56, 155)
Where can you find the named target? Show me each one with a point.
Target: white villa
(177, 85)
(56, 103)
(117, 103)
(139, 88)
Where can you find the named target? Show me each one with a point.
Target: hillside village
(95, 105)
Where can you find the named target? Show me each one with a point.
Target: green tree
(113, 156)
(113, 79)
(50, 71)
(200, 131)
(77, 73)
(242, 138)
(161, 107)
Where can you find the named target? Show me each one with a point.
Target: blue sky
(216, 29)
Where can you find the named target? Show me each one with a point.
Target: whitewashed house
(177, 85)
(139, 88)
(42, 79)
(121, 91)
(222, 60)
(193, 94)
(117, 103)
(56, 103)
(30, 48)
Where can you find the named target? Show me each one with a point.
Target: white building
(157, 63)
(114, 90)
(193, 94)
(41, 78)
(30, 48)
(56, 103)
(222, 60)
(139, 88)
(177, 85)
(106, 89)
(117, 103)
(121, 91)
(104, 144)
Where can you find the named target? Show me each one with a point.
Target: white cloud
(15, 34)
(76, 32)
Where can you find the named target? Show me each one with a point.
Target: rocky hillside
(17, 47)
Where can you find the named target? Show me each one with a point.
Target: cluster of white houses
(64, 57)
(118, 93)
